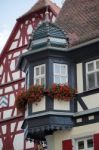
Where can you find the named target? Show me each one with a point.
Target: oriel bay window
(60, 73)
(92, 74)
(39, 74)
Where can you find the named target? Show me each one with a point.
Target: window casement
(39, 74)
(27, 80)
(60, 73)
(85, 144)
(92, 74)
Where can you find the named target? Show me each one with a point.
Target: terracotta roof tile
(80, 20)
(41, 4)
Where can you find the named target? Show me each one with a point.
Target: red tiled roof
(80, 20)
(41, 4)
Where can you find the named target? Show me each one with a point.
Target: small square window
(89, 143)
(80, 145)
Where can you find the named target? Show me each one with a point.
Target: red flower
(36, 92)
(61, 92)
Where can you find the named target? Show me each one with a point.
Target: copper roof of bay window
(80, 20)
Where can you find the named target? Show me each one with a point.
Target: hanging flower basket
(36, 93)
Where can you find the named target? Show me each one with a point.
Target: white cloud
(4, 34)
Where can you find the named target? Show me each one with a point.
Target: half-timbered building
(12, 81)
(64, 52)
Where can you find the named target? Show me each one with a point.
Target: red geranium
(61, 92)
(36, 92)
(21, 100)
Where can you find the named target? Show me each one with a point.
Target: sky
(10, 11)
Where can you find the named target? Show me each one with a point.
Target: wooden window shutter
(96, 141)
(67, 145)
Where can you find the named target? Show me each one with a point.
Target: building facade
(60, 57)
(12, 81)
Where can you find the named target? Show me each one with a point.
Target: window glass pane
(57, 68)
(91, 80)
(89, 143)
(42, 69)
(57, 79)
(37, 81)
(37, 71)
(97, 64)
(42, 81)
(90, 67)
(63, 80)
(80, 145)
(63, 69)
(97, 78)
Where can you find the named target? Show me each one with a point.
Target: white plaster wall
(39, 106)
(3, 79)
(18, 141)
(79, 107)
(19, 125)
(12, 65)
(22, 84)
(20, 42)
(8, 89)
(1, 91)
(18, 35)
(1, 145)
(15, 112)
(76, 132)
(16, 54)
(8, 78)
(79, 78)
(4, 129)
(1, 69)
(16, 75)
(14, 45)
(16, 86)
(9, 56)
(61, 105)
(7, 114)
(12, 100)
(13, 127)
(91, 101)
(29, 30)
